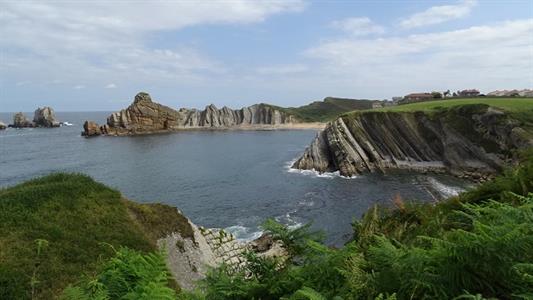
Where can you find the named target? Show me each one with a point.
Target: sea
(222, 179)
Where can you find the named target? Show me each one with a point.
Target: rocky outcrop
(2, 125)
(45, 117)
(189, 258)
(90, 128)
(146, 116)
(21, 121)
(470, 140)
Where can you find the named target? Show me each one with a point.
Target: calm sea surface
(226, 179)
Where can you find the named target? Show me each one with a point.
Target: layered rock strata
(146, 116)
(189, 259)
(471, 140)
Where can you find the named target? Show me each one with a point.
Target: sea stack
(45, 117)
(145, 116)
(21, 121)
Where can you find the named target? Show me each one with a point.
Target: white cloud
(282, 69)
(485, 57)
(78, 87)
(358, 26)
(439, 14)
(111, 86)
(106, 41)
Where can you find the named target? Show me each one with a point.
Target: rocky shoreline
(473, 142)
(189, 258)
(144, 116)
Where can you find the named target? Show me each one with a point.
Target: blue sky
(97, 55)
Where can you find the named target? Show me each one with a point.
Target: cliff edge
(472, 140)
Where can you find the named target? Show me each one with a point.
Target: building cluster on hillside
(468, 93)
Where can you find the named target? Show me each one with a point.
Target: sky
(96, 55)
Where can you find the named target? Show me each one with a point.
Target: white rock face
(189, 259)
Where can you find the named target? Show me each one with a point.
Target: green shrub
(128, 275)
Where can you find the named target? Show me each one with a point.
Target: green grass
(507, 104)
(327, 110)
(78, 222)
(519, 109)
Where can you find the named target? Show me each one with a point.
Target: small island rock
(90, 128)
(2, 125)
(45, 117)
(21, 121)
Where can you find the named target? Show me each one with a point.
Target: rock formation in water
(45, 117)
(21, 121)
(2, 125)
(470, 140)
(146, 116)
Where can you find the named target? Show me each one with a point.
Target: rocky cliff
(45, 117)
(21, 121)
(42, 117)
(471, 140)
(146, 116)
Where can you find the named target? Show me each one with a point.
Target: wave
(315, 173)
(243, 234)
(443, 189)
(289, 221)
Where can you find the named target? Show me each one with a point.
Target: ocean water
(223, 179)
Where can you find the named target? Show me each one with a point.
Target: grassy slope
(508, 104)
(81, 220)
(520, 109)
(330, 108)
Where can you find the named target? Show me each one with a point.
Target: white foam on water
(315, 173)
(243, 234)
(289, 221)
(443, 189)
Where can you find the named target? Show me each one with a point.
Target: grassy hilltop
(56, 228)
(327, 110)
(510, 104)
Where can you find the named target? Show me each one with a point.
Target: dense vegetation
(475, 246)
(66, 235)
(56, 228)
(327, 110)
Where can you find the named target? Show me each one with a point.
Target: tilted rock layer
(470, 140)
(146, 116)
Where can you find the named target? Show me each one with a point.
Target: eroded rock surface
(146, 116)
(472, 140)
(189, 259)
(45, 117)
(21, 121)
